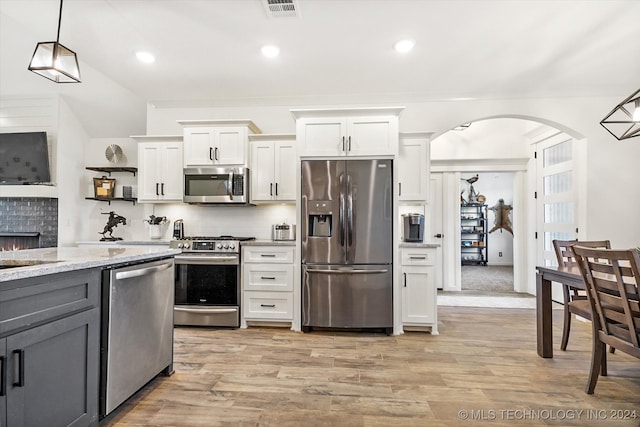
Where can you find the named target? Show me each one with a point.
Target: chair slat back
(612, 278)
(564, 254)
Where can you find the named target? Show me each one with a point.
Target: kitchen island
(23, 264)
(51, 318)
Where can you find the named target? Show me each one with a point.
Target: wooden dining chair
(612, 278)
(575, 300)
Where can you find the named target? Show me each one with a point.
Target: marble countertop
(39, 262)
(125, 243)
(268, 242)
(419, 245)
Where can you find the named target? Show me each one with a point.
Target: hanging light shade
(55, 61)
(623, 122)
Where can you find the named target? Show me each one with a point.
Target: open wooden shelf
(110, 199)
(109, 169)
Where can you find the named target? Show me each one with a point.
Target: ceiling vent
(282, 8)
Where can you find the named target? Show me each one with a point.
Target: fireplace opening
(14, 241)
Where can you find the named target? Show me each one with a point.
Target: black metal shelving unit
(474, 234)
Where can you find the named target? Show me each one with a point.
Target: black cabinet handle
(349, 144)
(271, 189)
(157, 191)
(216, 153)
(267, 278)
(268, 305)
(268, 255)
(438, 236)
(276, 188)
(210, 153)
(343, 146)
(162, 188)
(399, 189)
(405, 279)
(20, 365)
(3, 376)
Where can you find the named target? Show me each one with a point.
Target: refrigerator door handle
(342, 215)
(350, 211)
(348, 271)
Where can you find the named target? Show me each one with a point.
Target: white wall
(67, 140)
(97, 212)
(72, 140)
(495, 186)
(610, 164)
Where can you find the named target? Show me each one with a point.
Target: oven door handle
(205, 310)
(206, 260)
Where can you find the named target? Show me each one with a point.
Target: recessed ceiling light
(145, 57)
(270, 51)
(404, 46)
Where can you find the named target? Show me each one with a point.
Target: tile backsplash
(30, 214)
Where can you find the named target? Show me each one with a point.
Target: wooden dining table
(545, 275)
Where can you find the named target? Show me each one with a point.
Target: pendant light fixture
(54, 61)
(623, 122)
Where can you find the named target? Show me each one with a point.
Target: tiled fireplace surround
(29, 215)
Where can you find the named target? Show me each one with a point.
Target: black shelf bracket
(110, 199)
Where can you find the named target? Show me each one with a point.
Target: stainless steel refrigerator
(347, 244)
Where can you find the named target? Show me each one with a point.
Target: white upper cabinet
(351, 132)
(216, 142)
(273, 168)
(413, 166)
(159, 168)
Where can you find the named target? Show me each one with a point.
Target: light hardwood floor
(483, 364)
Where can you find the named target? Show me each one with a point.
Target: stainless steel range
(208, 281)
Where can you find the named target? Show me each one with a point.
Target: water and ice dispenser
(320, 218)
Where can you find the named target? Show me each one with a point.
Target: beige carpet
(490, 278)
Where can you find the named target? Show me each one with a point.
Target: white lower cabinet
(267, 284)
(419, 292)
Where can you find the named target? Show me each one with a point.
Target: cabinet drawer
(268, 277)
(268, 305)
(267, 254)
(29, 302)
(418, 256)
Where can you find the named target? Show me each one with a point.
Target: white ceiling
(335, 52)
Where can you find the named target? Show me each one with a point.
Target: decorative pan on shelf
(113, 153)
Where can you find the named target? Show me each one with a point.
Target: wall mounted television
(24, 158)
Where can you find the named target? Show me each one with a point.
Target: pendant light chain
(59, 22)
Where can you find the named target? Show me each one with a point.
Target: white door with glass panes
(557, 169)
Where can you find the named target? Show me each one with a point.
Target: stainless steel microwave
(210, 185)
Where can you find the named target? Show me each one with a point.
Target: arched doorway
(495, 145)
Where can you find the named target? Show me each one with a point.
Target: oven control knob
(179, 245)
(226, 246)
(186, 246)
(219, 246)
(232, 246)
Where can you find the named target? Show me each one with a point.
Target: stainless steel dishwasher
(137, 329)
